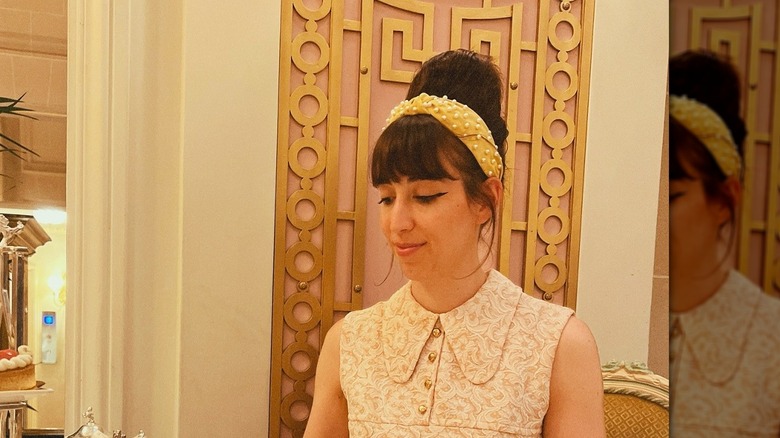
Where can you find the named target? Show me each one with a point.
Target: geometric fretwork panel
(343, 66)
(748, 32)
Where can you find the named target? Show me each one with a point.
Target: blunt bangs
(688, 157)
(415, 147)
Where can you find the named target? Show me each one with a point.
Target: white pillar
(171, 161)
(622, 174)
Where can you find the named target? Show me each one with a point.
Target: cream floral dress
(480, 370)
(725, 364)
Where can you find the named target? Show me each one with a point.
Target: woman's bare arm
(328, 417)
(576, 388)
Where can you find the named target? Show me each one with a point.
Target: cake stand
(12, 406)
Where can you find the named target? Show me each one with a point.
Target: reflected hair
(689, 159)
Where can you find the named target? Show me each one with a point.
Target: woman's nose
(401, 218)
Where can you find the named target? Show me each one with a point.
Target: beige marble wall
(622, 172)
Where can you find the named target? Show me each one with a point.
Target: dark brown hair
(418, 146)
(690, 159)
(469, 78)
(713, 81)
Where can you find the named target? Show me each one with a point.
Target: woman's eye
(427, 199)
(385, 201)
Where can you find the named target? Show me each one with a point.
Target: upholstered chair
(636, 401)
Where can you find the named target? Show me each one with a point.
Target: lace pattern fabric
(725, 357)
(480, 370)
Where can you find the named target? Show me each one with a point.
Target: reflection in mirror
(45, 334)
(34, 46)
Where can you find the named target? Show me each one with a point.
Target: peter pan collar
(715, 333)
(476, 331)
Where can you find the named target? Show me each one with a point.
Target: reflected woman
(725, 342)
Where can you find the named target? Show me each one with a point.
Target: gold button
(436, 333)
(428, 383)
(432, 357)
(423, 409)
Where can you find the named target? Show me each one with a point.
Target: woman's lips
(406, 249)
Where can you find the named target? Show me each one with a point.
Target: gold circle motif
(319, 209)
(559, 280)
(297, 52)
(558, 93)
(558, 142)
(286, 406)
(312, 14)
(304, 348)
(292, 268)
(552, 31)
(547, 236)
(295, 105)
(306, 299)
(295, 164)
(564, 186)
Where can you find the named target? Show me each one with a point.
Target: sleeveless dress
(725, 364)
(479, 370)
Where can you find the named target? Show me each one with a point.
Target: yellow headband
(462, 121)
(710, 129)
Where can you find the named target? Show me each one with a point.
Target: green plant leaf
(11, 107)
(4, 147)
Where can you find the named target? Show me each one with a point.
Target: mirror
(33, 48)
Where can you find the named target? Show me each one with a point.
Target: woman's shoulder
(531, 313)
(529, 303)
(378, 310)
(744, 288)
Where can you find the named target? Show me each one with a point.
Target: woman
(457, 351)
(724, 329)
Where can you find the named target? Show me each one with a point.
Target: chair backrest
(636, 401)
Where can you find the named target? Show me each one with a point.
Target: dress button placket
(430, 369)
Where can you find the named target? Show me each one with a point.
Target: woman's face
(431, 227)
(696, 236)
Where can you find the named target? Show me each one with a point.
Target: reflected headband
(710, 129)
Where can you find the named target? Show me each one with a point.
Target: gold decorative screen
(344, 65)
(749, 33)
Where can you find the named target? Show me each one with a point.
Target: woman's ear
(495, 190)
(732, 189)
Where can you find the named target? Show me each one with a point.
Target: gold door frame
(319, 124)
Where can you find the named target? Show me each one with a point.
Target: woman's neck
(689, 290)
(441, 295)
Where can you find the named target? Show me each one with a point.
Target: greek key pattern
(342, 67)
(751, 40)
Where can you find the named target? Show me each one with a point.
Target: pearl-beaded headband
(710, 129)
(462, 121)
